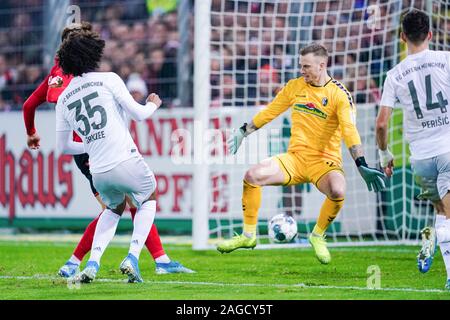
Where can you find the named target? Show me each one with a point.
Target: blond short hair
(316, 49)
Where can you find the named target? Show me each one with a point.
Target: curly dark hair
(84, 25)
(80, 52)
(416, 25)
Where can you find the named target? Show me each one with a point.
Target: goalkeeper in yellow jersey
(323, 113)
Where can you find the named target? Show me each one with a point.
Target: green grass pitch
(28, 271)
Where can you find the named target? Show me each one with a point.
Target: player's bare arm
(386, 158)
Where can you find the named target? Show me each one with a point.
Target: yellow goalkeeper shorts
(302, 168)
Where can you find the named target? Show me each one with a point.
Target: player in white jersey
(420, 85)
(96, 105)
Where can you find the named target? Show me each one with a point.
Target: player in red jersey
(49, 90)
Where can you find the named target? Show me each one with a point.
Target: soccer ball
(282, 228)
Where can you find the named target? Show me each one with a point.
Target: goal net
(253, 50)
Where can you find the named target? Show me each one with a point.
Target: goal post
(202, 98)
(253, 51)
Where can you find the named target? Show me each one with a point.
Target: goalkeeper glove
(235, 140)
(373, 177)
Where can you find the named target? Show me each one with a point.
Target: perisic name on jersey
(439, 121)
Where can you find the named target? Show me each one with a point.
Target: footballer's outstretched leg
(142, 224)
(332, 184)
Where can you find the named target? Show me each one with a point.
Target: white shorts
(132, 178)
(433, 175)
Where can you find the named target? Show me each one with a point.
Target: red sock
(153, 242)
(85, 244)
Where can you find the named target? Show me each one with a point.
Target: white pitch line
(380, 249)
(221, 284)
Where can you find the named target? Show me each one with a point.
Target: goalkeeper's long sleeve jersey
(320, 116)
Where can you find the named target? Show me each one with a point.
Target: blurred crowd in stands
(254, 46)
(141, 46)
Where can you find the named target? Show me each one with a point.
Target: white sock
(440, 221)
(74, 260)
(445, 251)
(104, 232)
(442, 229)
(163, 259)
(143, 221)
(444, 246)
